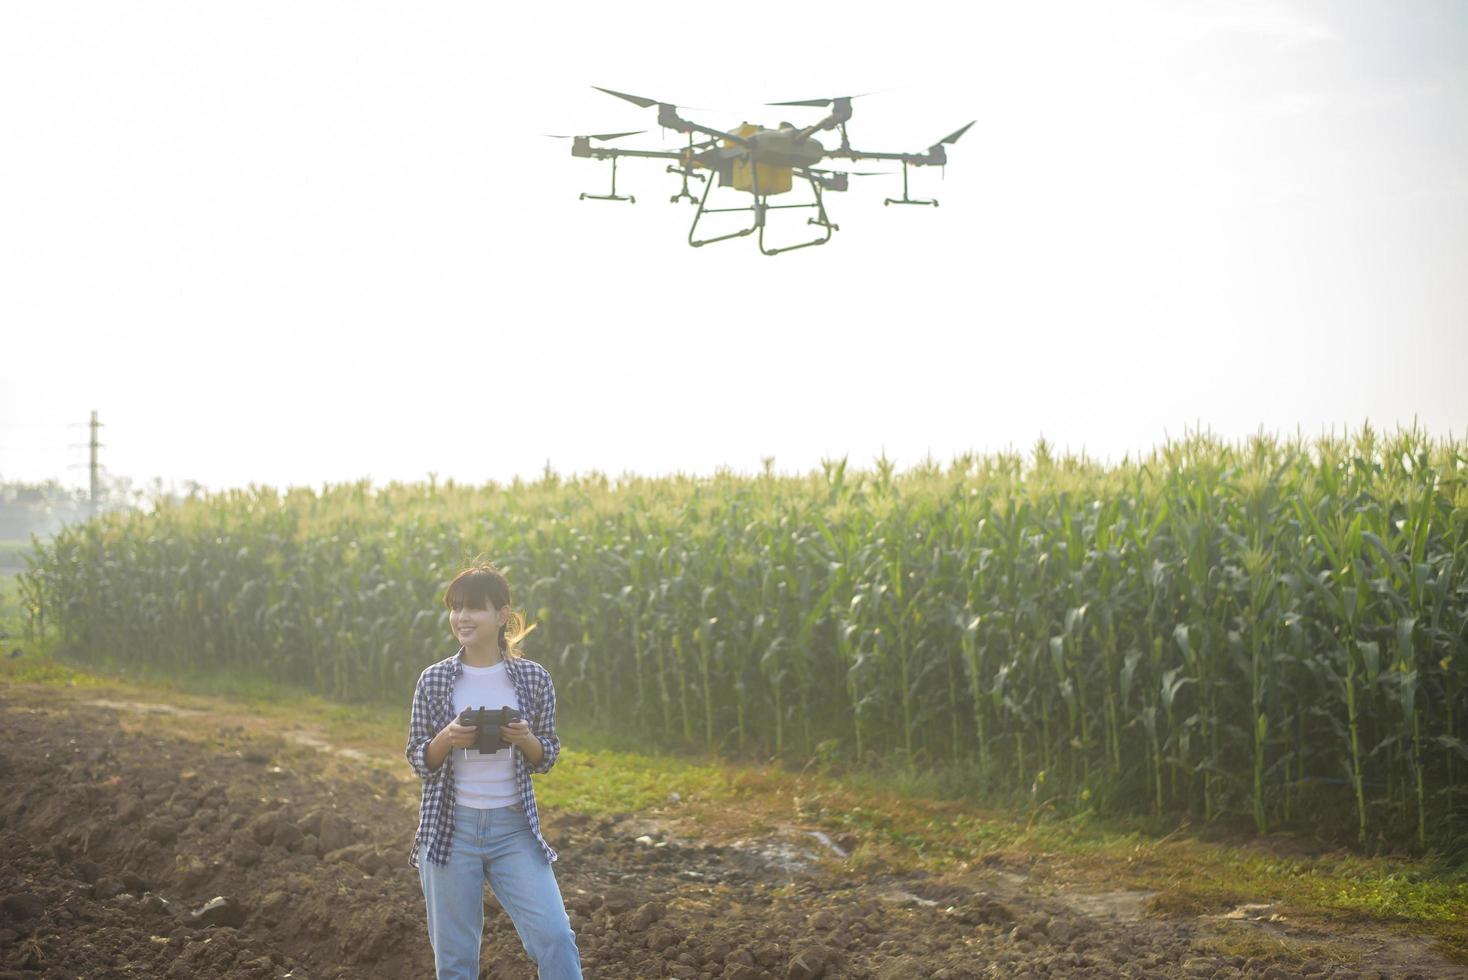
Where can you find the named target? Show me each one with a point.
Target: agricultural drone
(757, 161)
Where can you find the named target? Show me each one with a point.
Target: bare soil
(118, 833)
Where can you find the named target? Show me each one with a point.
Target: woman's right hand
(459, 736)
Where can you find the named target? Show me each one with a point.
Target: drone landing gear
(613, 196)
(760, 208)
(904, 199)
(703, 209)
(684, 193)
(820, 219)
(685, 170)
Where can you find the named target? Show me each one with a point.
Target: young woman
(478, 820)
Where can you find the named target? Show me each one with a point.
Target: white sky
(299, 242)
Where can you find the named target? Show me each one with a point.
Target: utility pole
(94, 445)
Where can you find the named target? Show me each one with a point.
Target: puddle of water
(790, 852)
(1123, 905)
(835, 847)
(897, 896)
(779, 854)
(144, 708)
(1256, 911)
(316, 742)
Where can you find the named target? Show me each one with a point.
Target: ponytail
(512, 633)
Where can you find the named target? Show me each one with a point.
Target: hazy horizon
(325, 243)
(146, 488)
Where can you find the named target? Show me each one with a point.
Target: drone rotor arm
(917, 159)
(850, 173)
(934, 155)
(611, 153)
(719, 134)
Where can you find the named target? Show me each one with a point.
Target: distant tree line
(39, 508)
(42, 509)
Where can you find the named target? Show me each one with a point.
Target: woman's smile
(475, 628)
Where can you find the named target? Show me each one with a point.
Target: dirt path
(115, 834)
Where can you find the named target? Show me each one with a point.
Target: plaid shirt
(433, 708)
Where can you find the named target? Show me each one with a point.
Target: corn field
(1275, 631)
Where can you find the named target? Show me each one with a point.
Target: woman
(478, 820)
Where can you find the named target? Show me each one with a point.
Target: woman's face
(476, 627)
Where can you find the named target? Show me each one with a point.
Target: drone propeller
(596, 136)
(819, 103)
(953, 137)
(636, 100)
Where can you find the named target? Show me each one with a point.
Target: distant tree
(38, 508)
(44, 508)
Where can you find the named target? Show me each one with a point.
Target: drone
(757, 161)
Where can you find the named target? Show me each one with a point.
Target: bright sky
(296, 242)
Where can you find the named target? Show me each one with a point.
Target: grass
(885, 826)
(12, 552)
(606, 782)
(11, 565)
(1240, 940)
(10, 619)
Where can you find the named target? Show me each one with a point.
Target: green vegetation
(12, 554)
(1245, 941)
(609, 782)
(1274, 632)
(30, 668)
(12, 622)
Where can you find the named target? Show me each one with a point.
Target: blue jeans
(497, 846)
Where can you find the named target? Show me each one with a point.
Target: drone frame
(668, 118)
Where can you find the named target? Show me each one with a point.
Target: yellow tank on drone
(772, 179)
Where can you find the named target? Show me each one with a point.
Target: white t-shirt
(484, 781)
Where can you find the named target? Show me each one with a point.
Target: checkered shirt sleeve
(433, 708)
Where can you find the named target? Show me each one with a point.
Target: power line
(94, 445)
(94, 469)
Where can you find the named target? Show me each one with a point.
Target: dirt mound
(124, 839)
(135, 854)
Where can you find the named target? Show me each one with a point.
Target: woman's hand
(459, 736)
(518, 733)
(451, 736)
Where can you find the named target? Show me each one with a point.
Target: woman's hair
(483, 586)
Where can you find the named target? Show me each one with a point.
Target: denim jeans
(496, 846)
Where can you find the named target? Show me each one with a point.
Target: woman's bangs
(469, 591)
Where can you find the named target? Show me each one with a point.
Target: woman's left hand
(517, 732)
